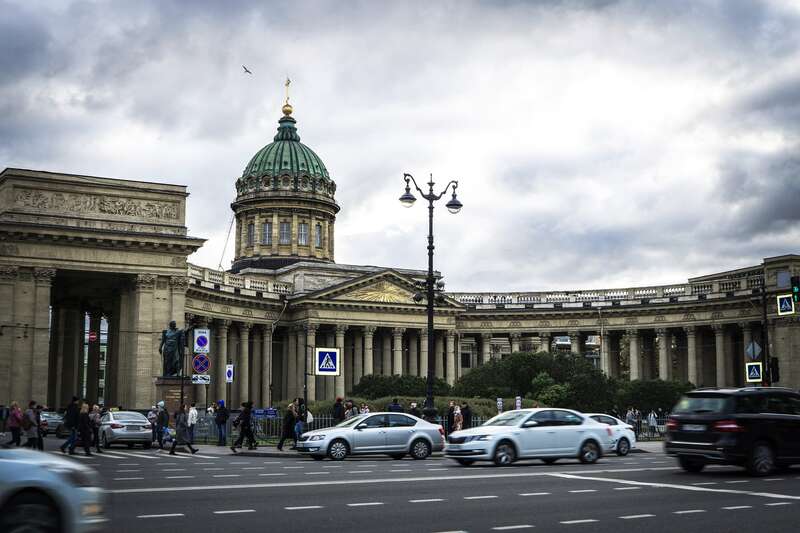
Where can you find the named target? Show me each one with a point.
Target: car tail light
(147, 427)
(672, 424)
(117, 426)
(727, 426)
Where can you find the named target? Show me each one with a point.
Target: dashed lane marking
(303, 507)
(509, 528)
(437, 469)
(636, 516)
(583, 490)
(292, 467)
(738, 481)
(584, 521)
(704, 484)
(278, 474)
(254, 468)
(213, 469)
(360, 472)
(534, 494)
(480, 497)
(774, 479)
(689, 511)
(203, 463)
(427, 500)
(239, 462)
(171, 515)
(179, 477)
(628, 488)
(402, 470)
(364, 504)
(129, 464)
(734, 507)
(236, 511)
(128, 471)
(227, 475)
(316, 473)
(127, 478)
(778, 503)
(173, 470)
(332, 466)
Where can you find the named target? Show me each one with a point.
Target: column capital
(423, 332)
(745, 325)
(222, 323)
(545, 335)
(145, 281)
(632, 331)
(178, 283)
(398, 331)
(244, 327)
(486, 336)
(309, 327)
(370, 330)
(515, 335)
(573, 333)
(690, 330)
(718, 328)
(342, 328)
(661, 332)
(450, 333)
(203, 321)
(44, 275)
(8, 272)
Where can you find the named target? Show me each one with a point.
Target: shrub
(372, 387)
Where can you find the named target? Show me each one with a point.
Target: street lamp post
(454, 206)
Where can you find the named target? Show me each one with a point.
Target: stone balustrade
(227, 282)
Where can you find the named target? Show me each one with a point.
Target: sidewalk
(649, 446)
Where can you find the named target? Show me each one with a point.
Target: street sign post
(201, 340)
(328, 362)
(201, 379)
(93, 336)
(753, 372)
(753, 350)
(499, 405)
(201, 363)
(785, 304)
(518, 402)
(228, 373)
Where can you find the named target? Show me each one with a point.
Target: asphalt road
(217, 491)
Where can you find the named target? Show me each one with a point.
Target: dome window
(302, 234)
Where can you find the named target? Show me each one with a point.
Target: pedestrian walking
(451, 409)
(394, 407)
(84, 430)
(192, 421)
(338, 411)
(71, 416)
(350, 410)
(302, 415)
(30, 426)
(652, 423)
(41, 431)
(182, 430)
(364, 409)
(287, 426)
(415, 410)
(244, 422)
(14, 424)
(466, 414)
(152, 417)
(162, 423)
(94, 417)
(458, 420)
(221, 416)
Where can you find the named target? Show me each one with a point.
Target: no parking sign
(201, 336)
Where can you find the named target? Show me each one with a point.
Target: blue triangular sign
(327, 363)
(755, 372)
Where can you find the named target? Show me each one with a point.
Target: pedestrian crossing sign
(785, 304)
(328, 362)
(754, 373)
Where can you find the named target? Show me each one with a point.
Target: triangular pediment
(382, 290)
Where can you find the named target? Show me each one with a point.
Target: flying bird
(246, 71)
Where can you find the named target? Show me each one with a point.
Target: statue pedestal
(168, 389)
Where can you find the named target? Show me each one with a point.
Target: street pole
(766, 373)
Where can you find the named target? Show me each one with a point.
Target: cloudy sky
(597, 143)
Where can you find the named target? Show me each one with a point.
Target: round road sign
(92, 336)
(201, 363)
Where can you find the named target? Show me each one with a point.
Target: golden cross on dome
(287, 108)
(288, 82)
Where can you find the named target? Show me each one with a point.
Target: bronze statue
(173, 341)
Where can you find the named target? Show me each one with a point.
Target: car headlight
(317, 437)
(474, 438)
(77, 477)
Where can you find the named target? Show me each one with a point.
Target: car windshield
(349, 422)
(511, 418)
(699, 403)
(127, 415)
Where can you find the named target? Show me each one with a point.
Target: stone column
(413, 339)
(266, 365)
(358, 356)
(486, 345)
(544, 342)
(339, 381)
(8, 280)
(255, 372)
(40, 358)
(635, 357)
(451, 356)
(439, 354)
(349, 362)
(369, 357)
(514, 342)
(575, 342)
(719, 340)
(311, 342)
(423, 352)
(664, 364)
(397, 352)
(243, 367)
(691, 355)
(292, 390)
(386, 354)
(147, 360)
(605, 353)
(112, 360)
(221, 334)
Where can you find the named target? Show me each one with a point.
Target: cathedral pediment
(383, 291)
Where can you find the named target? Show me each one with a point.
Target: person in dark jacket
(302, 415)
(415, 411)
(394, 407)
(221, 416)
(71, 424)
(84, 430)
(466, 412)
(95, 417)
(162, 423)
(289, 420)
(338, 411)
(182, 431)
(451, 410)
(245, 423)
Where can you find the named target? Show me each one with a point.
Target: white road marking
(127, 478)
(254, 468)
(179, 456)
(239, 462)
(173, 470)
(774, 479)
(316, 473)
(733, 507)
(628, 488)
(635, 516)
(129, 464)
(706, 483)
(332, 466)
(360, 472)
(533, 494)
(585, 521)
(428, 500)
(778, 503)
(137, 456)
(159, 515)
(204, 463)
(738, 481)
(437, 469)
(279, 474)
(289, 467)
(689, 511)
(179, 477)
(402, 470)
(227, 475)
(509, 528)
(205, 456)
(235, 511)
(479, 497)
(364, 504)
(128, 471)
(303, 507)
(212, 469)
(583, 490)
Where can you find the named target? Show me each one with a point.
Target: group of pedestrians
(294, 422)
(644, 425)
(82, 420)
(26, 423)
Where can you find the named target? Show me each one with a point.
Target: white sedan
(624, 438)
(546, 434)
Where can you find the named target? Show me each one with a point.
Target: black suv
(754, 427)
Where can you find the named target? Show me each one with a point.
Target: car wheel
(589, 453)
(504, 454)
(338, 450)
(623, 447)
(318, 457)
(762, 460)
(691, 465)
(549, 460)
(104, 441)
(420, 449)
(30, 511)
(465, 462)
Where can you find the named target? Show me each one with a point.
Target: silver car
(394, 434)
(125, 427)
(42, 492)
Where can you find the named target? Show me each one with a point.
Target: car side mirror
(361, 426)
(530, 424)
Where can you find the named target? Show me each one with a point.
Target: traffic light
(774, 370)
(795, 289)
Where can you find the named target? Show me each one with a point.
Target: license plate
(694, 427)
(131, 428)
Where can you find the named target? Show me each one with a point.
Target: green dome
(286, 156)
